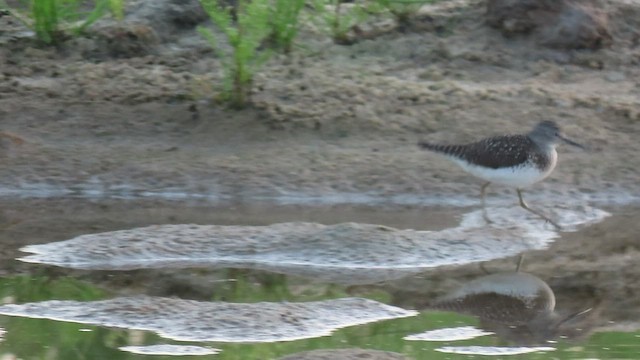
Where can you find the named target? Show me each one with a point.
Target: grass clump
(343, 21)
(243, 57)
(53, 20)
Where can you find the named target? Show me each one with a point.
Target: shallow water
(567, 308)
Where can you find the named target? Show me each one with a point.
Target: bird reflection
(518, 307)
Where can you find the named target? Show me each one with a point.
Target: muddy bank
(329, 121)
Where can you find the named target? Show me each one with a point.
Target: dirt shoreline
(335, 120)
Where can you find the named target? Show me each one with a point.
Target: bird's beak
(571, 142)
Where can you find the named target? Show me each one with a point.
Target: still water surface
(232, 311)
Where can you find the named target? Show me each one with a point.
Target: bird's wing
(499, 151)
(454, 151)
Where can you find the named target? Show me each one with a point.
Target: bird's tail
(456, 151)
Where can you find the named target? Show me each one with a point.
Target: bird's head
(549, 133)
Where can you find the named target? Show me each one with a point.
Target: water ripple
(189, 320)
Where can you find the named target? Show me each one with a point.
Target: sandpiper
(512, 160)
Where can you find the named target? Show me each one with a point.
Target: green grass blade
(117, 8)
(45, 16)
(284, 22)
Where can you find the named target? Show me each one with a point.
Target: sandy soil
(126, 111)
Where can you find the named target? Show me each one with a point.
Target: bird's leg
(526, 207)
(484, 269)
(483, 190)
(520, 261)
(518, 265)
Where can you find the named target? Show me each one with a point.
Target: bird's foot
(555, 224)
(485, 216)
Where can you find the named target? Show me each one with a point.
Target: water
(576, 296)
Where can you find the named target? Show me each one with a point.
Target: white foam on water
(570, 217)
(493, 350)
(189, 320)
(171, 350)
(348, 253)
(449, 334)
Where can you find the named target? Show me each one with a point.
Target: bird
(516, 161)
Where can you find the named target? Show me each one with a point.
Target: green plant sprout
(45, 20)
(244, 36)
(51, 20)
(284, 23)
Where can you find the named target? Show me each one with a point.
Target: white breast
(518, 176)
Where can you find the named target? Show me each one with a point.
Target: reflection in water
(353, 243)
(518, 307)
(492, 350)
(348, 253)
(188, 320)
